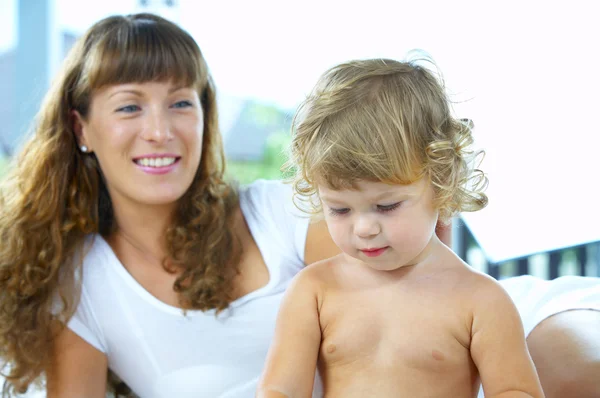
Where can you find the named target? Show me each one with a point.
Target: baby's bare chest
(394, 330)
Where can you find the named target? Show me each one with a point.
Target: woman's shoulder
(274, 220)
(271, 199)
(266, 190)
(95, 257)
(94, 246)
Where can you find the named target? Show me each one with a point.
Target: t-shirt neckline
(259, 238)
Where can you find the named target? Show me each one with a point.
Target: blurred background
(526, 72)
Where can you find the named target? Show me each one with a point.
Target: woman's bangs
(145, 52)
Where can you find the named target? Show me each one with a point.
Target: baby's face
(384, 226)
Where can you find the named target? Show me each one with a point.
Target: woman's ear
(79, 131)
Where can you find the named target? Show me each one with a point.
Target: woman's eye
(338, 212)
(386, 208)
(129, 109)
(182, 104)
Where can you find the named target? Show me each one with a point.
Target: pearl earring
(84, 148)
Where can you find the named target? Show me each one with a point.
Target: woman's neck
(143, 228)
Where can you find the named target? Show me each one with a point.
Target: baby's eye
(338, 212)
(129, 109)
(386, 208)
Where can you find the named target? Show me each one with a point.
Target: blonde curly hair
(386, 121)
(55, 195)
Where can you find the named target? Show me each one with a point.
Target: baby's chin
(385, 262)
(385, 267)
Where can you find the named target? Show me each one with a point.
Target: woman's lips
(156, 164)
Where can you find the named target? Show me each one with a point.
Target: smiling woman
(161, 166)
(126, 150)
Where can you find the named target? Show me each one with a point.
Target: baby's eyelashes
(338, 212)
(386, 208)
(379, 208)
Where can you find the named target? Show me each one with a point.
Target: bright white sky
(530, 69)
(275, 50)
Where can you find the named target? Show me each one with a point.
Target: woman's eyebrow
(126, 91)
(176, 88)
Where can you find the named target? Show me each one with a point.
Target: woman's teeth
(155, 162)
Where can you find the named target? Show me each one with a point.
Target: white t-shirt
(537, 299)
(159, 352)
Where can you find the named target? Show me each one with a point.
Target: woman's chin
(163, 198)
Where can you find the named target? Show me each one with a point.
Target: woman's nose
(158, 127)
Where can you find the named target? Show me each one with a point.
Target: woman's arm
(319, 244)
(291, 364)
(77, 368)
(566, 351)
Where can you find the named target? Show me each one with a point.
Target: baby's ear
(444, 232)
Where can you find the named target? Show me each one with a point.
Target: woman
(117, 224)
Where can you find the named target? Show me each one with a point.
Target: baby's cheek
(342, 240)
(404, 237)
(416, 238)
(349, 249)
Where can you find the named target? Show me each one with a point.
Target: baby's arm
(498, 345)
(292, 360)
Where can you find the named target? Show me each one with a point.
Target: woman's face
(147, 138)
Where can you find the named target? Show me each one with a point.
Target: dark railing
(586, 258)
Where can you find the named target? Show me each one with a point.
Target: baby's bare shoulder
(467, 285)
(461, 275)
(318, 274)
(476, 290)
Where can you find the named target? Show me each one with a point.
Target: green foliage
(270, 166)
(275, 151)
(265, 115)
(270, 125)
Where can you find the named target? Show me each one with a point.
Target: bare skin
(572, 366)
(77, 368)
(422, 330)
(370, 351)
